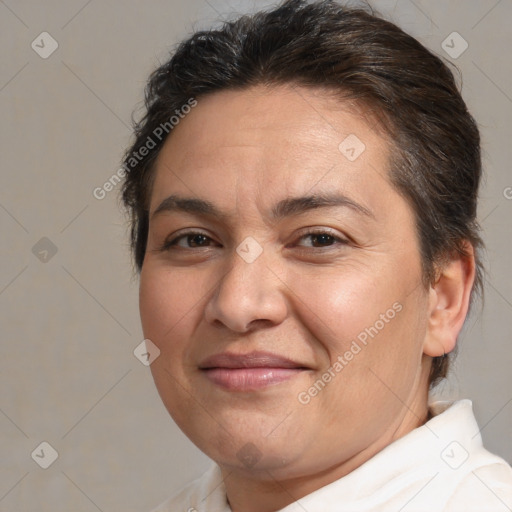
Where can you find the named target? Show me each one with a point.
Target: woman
(303, 193)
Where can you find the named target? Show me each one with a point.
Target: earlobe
(449, 299)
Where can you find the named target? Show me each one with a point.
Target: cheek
(369, 318)
(340, 305)
(169, 303)
(169, 306)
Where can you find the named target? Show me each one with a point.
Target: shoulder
(470, 478)
(487, 487)
(180, 501)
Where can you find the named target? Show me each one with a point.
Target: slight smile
(249, 372)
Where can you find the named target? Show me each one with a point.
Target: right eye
(190, 239)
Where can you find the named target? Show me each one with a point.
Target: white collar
(420, 470)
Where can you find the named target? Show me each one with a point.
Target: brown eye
(322, 239)
(198, 240)
(190, 240)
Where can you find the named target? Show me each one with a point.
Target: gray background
(69, 323)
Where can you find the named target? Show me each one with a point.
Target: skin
(303, 297)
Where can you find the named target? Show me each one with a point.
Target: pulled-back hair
(435, 163)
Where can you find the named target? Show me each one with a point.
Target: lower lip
(248, 379)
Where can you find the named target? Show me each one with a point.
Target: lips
(252, 371)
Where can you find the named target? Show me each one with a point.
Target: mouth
(249, 372)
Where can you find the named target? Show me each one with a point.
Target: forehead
(271, 142)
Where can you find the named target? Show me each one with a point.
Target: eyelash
(168, 245)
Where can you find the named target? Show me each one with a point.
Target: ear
(449, 302)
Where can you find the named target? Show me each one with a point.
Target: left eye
(322, 239)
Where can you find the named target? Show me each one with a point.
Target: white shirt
(441, 466)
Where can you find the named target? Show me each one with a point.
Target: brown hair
(354, 52)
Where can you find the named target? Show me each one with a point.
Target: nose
(247, 295)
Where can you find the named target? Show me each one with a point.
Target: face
(282, 282)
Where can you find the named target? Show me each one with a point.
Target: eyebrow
(285, 208)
